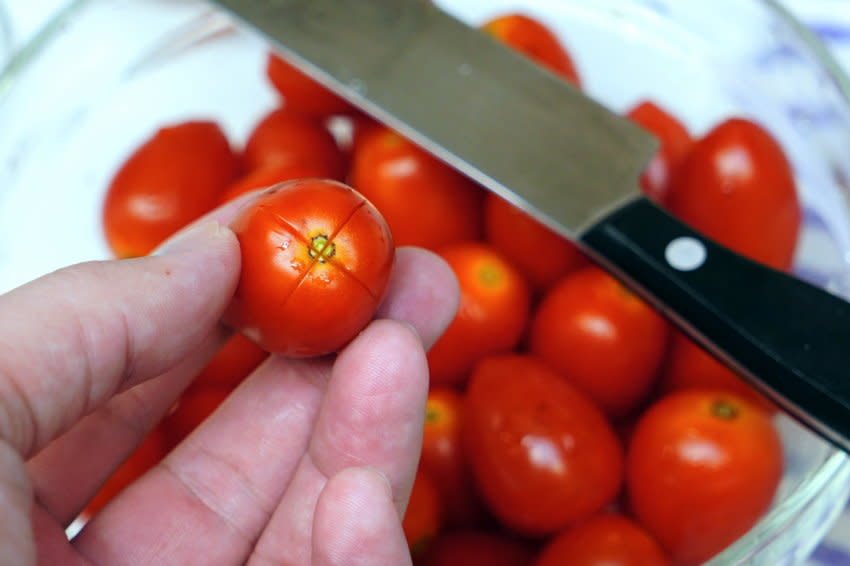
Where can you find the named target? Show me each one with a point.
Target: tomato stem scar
(321, 248)
(724, 410)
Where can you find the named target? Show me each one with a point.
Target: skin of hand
(308, 462)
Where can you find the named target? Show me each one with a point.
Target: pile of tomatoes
(568, 422)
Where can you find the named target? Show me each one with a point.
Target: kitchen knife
(541, 144)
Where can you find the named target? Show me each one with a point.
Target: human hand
(307, 462)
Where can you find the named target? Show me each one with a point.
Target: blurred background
(829, 19)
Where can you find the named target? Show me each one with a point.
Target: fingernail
(194, 238)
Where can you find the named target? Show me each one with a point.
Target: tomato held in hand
(540, 254)
(316, 259)
(286, 138)
(236, 359)
(473, 548)
(702, 468)
(542, 454)
(144, 457)
(736, 186)
(602, 338)
(301, 93)
(493, 311)
(689, 366)
(444, 460)
(172, 179)
(675, 144)
(423, 517)
(270, 175)
(196, 404)
(535, 41)
(604, 540)
(425, 202)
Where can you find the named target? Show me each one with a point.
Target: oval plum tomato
(689, 366)
(540, 254)
(602, 338)
(286, 138)
(196, 404)
(316, 259)
(271, 175)
(423, 517)
(425, 202)
(604, 540)
(535, 41)
(702, 468)
(493, 311)
(474, 548)
(144, 457)
(542, 454)
(172, 179)
(736, 186)
(443, 457)
(236, 359)
(675, 143)
(301, 93)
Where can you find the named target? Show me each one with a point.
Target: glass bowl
(103, 75)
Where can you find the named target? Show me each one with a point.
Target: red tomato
(535, 41)
(362, 127)
(702, 468)
(144, 457)
(443, 457)
(543, 456)
(316, 259)
(493, 311)
(270, 175)
(604, 540)
(286, 138)
(423, 519)
(602, 338)
(172, 179)
(302, 93)
(238, 358)
(689, 366)
(736, 186)
(539, 253)
(472, 548)
(425, 202)
(196, 404)
(675, 144)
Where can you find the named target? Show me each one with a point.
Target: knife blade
(548, 149)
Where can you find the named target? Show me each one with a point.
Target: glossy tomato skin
(675, 143)
(316, 259)
(175, 177)
(736, 186)
(444, 460)
(423, 517)
(702, 468)
(542, 454)
(533, 39)
(144, 457)
(604, 540)
(270, 175)
(233, 363)
(425, 202)
(477, 548)
(604, 339)
(541, 255)
(194, 406)
(493, 312)
(301, 93)
(286, 138)
(689, 366)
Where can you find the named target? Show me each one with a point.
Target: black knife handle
(789, 338)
